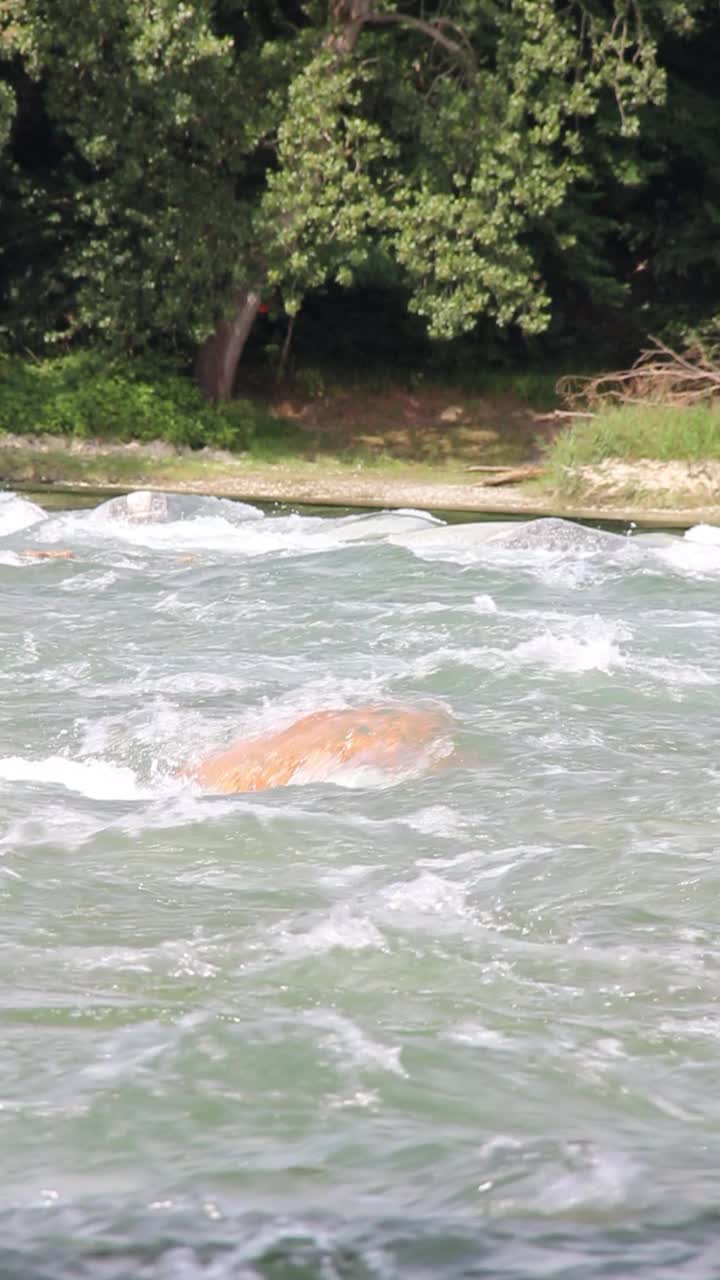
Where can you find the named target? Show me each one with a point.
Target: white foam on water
(484, 604)
(96, 779)
(595, 646)
(705, 1027)
(436, 820)
(426, 609)
(428, 894)
(339, 931)
(118, 959)
(705, 534)
(166, 522)
(671, 672)
(572, 647)
(173, 603)
(445, 657)
(205, 682)
(17, 513)
(213, 534)
(477, 1036)
(57, 824)
(354, 1047)
(602, 1180)
(559, 552)
(10, 560)
(89, 582)
(693, 557)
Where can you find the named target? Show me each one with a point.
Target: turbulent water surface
(452, 1023)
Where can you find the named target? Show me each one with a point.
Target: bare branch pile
(658, 376)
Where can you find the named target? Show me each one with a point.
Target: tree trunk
(218, 358)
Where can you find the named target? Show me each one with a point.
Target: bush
(84, 395)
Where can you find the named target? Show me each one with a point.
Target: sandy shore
(640, 492)
(258, 486)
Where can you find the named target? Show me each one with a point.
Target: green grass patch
(633, 432)
(86, 395)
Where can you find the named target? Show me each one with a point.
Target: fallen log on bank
(508, 475)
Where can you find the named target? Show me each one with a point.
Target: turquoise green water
(456, 1024)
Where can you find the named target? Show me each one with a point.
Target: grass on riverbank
(40, 462)
(633, 434)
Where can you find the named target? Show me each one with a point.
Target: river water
(455, 1024)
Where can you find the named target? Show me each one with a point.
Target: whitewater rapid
(458, 1023)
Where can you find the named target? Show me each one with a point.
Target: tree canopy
(166, 164)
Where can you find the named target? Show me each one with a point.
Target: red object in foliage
(263, 308)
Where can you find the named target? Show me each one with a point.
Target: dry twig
(660, 375)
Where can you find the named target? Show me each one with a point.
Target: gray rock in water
(553, 534)
(460, 536)
(653, 539)
(142, 507)
(381, 524)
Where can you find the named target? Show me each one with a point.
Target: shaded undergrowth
(86, 395)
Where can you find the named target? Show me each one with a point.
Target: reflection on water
(465, 1024)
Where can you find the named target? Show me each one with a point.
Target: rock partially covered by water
(395, 741)
(553, 534)
(382, 524)
(141, 507)
(453, 536)
(59, 554)
(145, 506)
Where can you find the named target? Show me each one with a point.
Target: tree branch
(429, 28)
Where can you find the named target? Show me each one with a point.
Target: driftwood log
(507, 475)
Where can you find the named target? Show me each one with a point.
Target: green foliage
(7, 112)
(325, 200)
(201, 147)
(155, 123)
(633, 432)
(87, 395)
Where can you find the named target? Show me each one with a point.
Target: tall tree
(225, 149)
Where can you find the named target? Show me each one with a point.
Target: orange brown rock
(49, 555)
(391, 739)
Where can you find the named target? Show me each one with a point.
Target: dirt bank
(649, 493)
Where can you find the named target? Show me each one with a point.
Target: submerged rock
(141, 507)
(146, 506)
(383, 524)
(59, 554)
(553, 534)
(456, 535)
